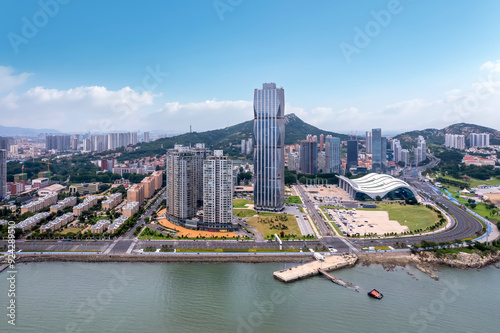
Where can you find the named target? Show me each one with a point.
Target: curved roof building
(373, 185)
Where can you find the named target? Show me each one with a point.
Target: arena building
(373, 185)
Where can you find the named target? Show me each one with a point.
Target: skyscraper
(217, 192)
(368, 142)
(3, 173)
(376, 150)
(479, 140)
(352, 152)
(269, 149)
(321, 142)
(182, 193)
(145, 137)
(309, 156)
(333, 155)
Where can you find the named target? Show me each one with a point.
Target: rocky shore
(428, 262)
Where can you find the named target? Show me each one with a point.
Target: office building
(309, 156)
(480, 140)
(217, 193)
(379, 151)
(269, 147)
(333, 162)
(3, 173)
(396, 148)
(352, 152)
(368, 142)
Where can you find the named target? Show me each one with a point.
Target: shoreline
(424, 261)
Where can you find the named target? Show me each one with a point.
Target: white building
(456, 141)
(479, 140)
(217, 193)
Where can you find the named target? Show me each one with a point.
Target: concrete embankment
(314, 267)
(188, 257)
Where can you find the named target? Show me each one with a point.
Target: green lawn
(294, 199)
(152, 235)
(472, 181)
(244, 212)
(235, 250)
(484, 212)
(416, 217)
(241, 203)
(68, 230)
(265, 221)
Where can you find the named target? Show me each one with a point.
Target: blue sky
(88, 66)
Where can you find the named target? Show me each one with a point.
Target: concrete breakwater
(191, 257)
(314, 268)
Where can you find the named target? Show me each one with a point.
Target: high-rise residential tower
(217, 192)
(269, 147)
(182, 193)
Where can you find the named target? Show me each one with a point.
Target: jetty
(340, 282)
(325, 264)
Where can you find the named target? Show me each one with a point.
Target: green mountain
(226, 138)
(436, 136)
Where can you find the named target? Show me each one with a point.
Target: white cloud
(210, 114)
(8, 81)
(79, 109)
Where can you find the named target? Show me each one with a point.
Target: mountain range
(20, 131)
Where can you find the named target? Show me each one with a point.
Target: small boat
(375, 294)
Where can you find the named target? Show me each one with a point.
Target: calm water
(136, 297)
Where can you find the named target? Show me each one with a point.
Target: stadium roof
(374, 184)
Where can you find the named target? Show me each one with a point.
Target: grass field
(244, 212)
(414, 217)
(294, 199)
(263, 222)
(236, 250)
(241, 203)
(68, 230)
(473, 182)
(481, 210)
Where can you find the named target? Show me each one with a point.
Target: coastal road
(339, 243)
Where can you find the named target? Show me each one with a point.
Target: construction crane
(48, 164)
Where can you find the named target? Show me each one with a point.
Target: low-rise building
(57, 223)
(61, 204)
(117, 223)
(84, 188)
(88, 203)
(35, 206)
(100, 227)
(130, 208)
(51, 189)
(112, 201)
(30, 222)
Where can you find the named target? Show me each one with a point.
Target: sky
(346, 66)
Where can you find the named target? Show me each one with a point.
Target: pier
(329, 263)
(340, 282)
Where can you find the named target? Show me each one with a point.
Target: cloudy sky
(346, 66)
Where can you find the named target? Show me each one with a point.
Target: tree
(378, 198)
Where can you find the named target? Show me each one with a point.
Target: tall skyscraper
(217, 192)
(309, 156)
(243, 147)
(3, 173)
(58, 142)
(145, 137)
(352, 152)
(321, 142)
(396, 148)
(456, 141)
(368, 142)
(182, 193)
(269, 149)
(376, 150)
(333, 155)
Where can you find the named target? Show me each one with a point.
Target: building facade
(352, 152)
(269, 147)
(3, 173)
(217, 193)
(333, 155)
(309, 156)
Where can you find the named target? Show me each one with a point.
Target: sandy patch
(366, 222)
